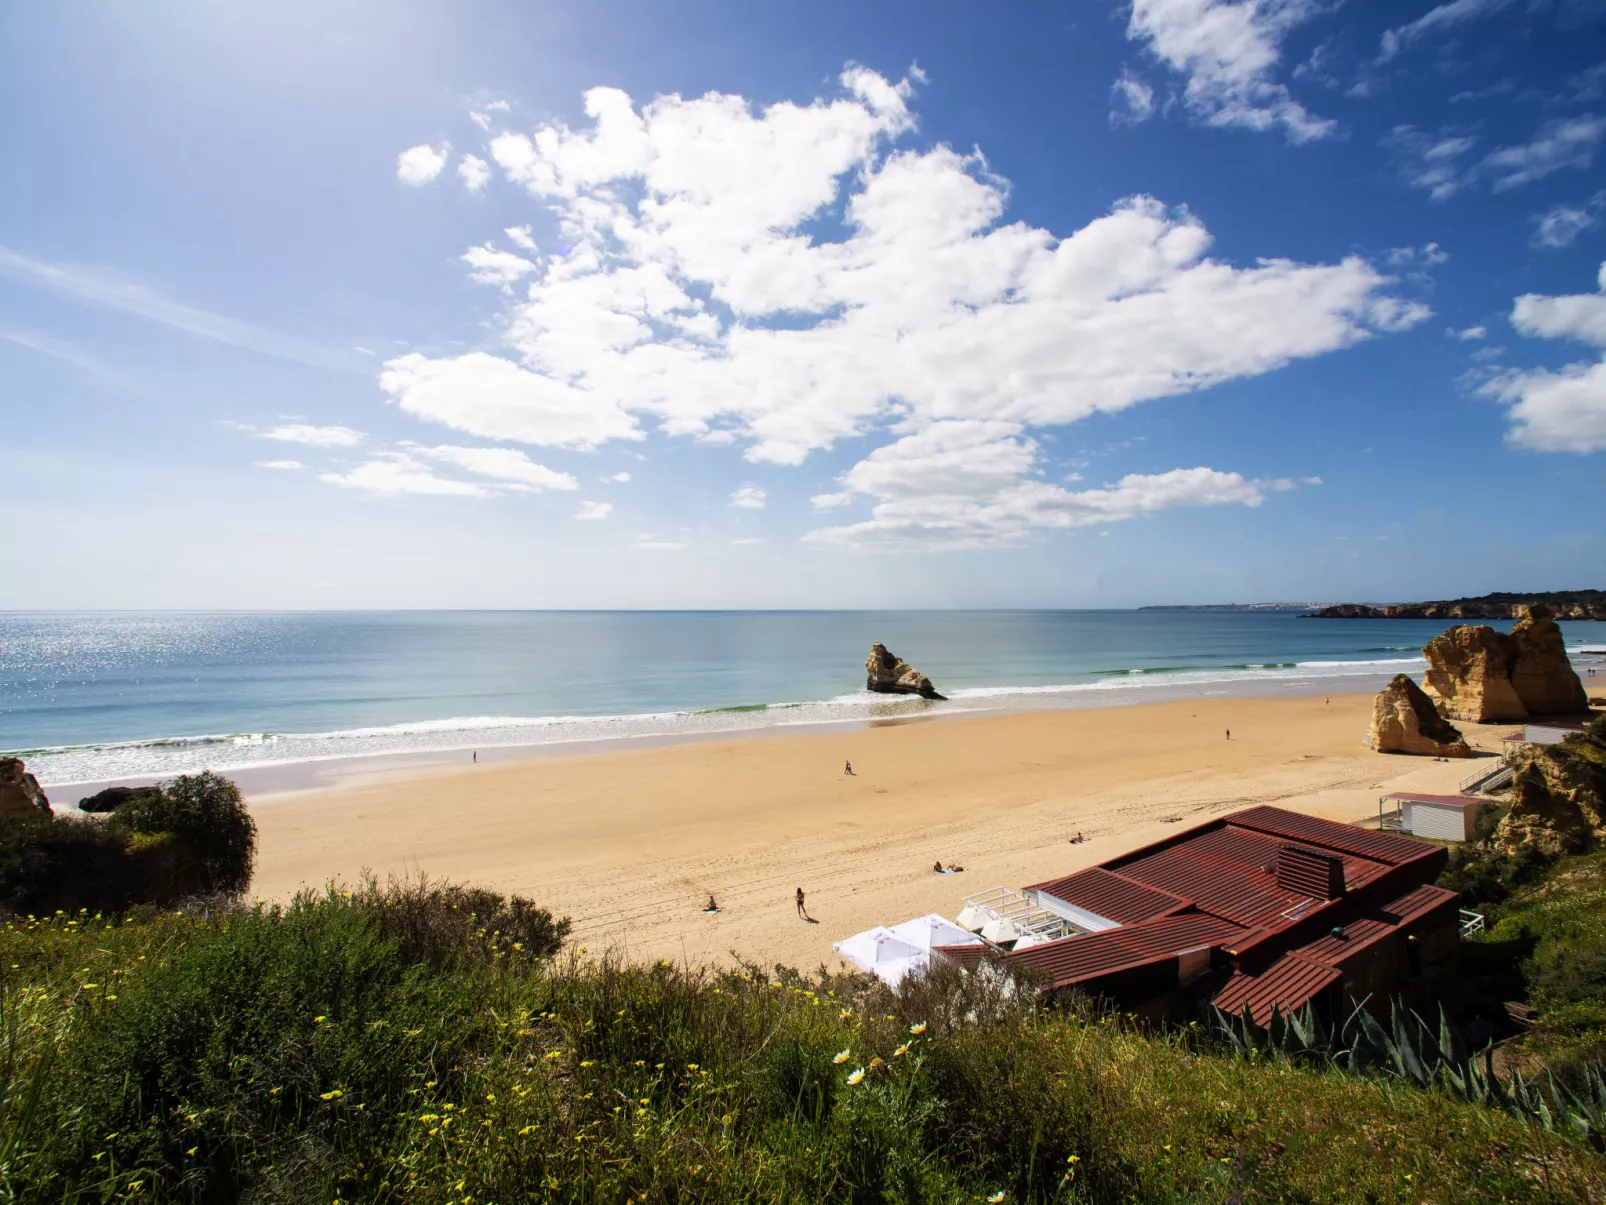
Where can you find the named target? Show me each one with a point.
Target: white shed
(1442, 817)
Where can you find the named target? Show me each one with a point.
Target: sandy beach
(630, 843)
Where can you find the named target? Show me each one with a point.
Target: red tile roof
(1235, 890)
(1360, 932)
(1378, 847)
(1290, 983)
(1112, 896)
(969, 956)
(1092, 955)
(1465, 801)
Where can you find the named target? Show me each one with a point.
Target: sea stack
(1476, 673)
(888, 674)
(1404, 721)
(19, 791)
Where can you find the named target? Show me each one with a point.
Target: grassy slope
(300, 1057)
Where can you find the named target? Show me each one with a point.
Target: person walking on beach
(1229, 734)
(801, 910)
(476, 757)
(847, 768)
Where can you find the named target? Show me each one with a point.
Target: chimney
(1308, 872)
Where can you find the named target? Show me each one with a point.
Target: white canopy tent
(893, 953)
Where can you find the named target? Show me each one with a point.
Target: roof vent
(1309, 872)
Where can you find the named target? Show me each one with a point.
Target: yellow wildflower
(918, 1028)
(878, 1061)
(856, 1078)
(995, 1198)
(843, 1056)
(901, 1051)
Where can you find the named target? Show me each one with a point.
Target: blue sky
(639, 305)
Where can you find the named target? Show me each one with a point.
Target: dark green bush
(439, 923)
(207, 815)
(1485, 874)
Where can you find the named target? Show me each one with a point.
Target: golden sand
(630, 843)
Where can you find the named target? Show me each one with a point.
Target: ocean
(99, 697)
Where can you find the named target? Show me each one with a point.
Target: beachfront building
(1261, 908)
(1437, 817)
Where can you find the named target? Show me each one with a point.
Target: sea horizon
(93, 696)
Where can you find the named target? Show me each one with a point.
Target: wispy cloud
(594, 511)
(1435, 21)
(59, 349)
(1561, 225)
(749, 497)
(284, 466)
(95, 286)
(314, 437)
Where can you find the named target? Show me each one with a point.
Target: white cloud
(594, 510)
(1131, 100)
(829, 501)
(286, 466)
(1429, 255)
(1562, 143)
(658, 545)
(749, 497)
(747, 541)
(1468, 334)
(95, 286)
(489, 266)
(421, 164)
(1561, 411)
(1561, 225)
(506, 465)
(474, 172)
(316, 437)
(1436, 20)
(521, 237)
(689, 294)
(619, 478)
(1433, 163)
(400, 473)
(1229, 50)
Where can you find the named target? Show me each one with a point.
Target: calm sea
(89, 697)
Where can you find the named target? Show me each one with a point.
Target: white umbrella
(934, 930)
(882, 953)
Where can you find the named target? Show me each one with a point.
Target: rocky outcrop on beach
(1564, 604)
(113, 798)
(1404, 720)
(1476, 673)
(19, 791)
(1558, 795)
(889, 674)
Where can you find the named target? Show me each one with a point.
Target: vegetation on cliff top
(403, 1045)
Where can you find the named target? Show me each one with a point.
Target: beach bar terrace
(1260, 909)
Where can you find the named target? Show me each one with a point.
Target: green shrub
(206, 813)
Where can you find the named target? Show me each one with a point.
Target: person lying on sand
(1078, 839)
(937, 867)
(952, 869)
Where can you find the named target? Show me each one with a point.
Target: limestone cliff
(1404, 721)
(1476, 673)
(19, 791)
(1558, 796)
(887, 673)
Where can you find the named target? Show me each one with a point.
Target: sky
(607, 304)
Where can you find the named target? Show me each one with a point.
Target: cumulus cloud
(748, 497)
(401, 473)
(618, 478)
(521, 236)
(590, 511)
(1561, 411)
(1468, 334)
(284, 466)
(1131, 100)
(1228, 50)
(490, 266)
(421, 164)
(1561, 225)
(689, 291)
(313, 436)
(474, 172)
(508, 466)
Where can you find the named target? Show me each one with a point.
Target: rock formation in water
(1564, 604)
(889, 674)
(1558, 795)
(112, 798)
(19, 791)
(1404, 721)
(1476, 673)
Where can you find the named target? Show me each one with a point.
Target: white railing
(1471, 922)
(1484, 774)
(1003, 914)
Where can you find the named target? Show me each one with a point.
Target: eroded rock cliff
(1558, 795)
(19, 791)
(889, 674)
(1476, 673)
(1404, 720)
